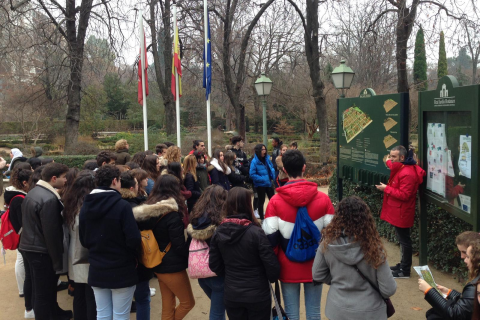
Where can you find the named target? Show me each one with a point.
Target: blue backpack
(305, 238)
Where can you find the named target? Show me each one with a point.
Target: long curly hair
(353, 219)
(210, 203)
(474, 259)
(174, 154)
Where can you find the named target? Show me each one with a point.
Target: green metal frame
(461, 98)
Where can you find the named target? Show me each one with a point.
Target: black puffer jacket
(108, 230)
(43, 223)
(15, 205)
(236, 178)
(457, 306)
(169, 229)
(241, 251)
(194, 187)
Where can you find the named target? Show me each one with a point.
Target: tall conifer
(420, 62)
(442, 69)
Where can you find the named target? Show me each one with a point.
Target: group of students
(88, 224)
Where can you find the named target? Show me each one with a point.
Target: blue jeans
(142, 299)
(113, 303)
(291, 298)
(213, 288)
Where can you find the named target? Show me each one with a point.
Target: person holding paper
(456, 305)
(399, 197)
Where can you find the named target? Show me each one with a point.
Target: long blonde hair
(190, 165)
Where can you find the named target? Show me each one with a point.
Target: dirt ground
(408, 300)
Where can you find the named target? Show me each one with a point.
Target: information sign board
(368, 128)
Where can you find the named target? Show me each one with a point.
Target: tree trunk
(474, 71)
(76, 44)
(163, 77)
(240, 119)
(312, 50)
(401, 52)
(73, 112)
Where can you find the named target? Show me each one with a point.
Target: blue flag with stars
(207, 64)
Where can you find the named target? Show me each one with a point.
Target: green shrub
(76, 161)
(442, 227)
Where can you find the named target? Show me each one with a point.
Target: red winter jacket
(400, 195)
(280, 219)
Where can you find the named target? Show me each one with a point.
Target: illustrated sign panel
(369, 127)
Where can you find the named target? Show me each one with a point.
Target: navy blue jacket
(110, 233)
(220, 178)
(261, 173)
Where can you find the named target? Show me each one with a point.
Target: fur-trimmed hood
(145, 212)
(201, 234)
(214, 162)
(127, 193)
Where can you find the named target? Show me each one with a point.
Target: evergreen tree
(328, 71)
(442, 69)
(420, 62)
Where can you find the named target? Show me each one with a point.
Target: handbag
(277, 308)
(388, 302)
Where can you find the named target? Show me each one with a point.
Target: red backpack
(10, 239)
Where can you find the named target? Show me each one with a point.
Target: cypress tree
(420, 62)
(442, 69)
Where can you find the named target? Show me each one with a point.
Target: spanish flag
(176, 66)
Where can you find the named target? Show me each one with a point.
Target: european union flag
(207, 64)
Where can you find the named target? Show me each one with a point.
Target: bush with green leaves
(442, 227)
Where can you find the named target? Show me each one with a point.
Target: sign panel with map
(368, 128)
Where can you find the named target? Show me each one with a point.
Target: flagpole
(209, 125)
(142, 59)
(177, 93)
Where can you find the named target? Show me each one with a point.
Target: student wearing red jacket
(399, 197)
(278, 226)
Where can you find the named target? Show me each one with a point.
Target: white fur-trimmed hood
(145, 212)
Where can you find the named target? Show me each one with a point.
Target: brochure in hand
(425, 274)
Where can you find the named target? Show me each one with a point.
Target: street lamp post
(342, 77)
(263, 85)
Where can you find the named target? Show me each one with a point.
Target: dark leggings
(84, 306)
(27, 285)
(262, 191)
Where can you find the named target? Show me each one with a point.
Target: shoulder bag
(388, 302)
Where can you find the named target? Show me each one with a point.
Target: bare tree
(472, 30)
(71, 21)
(406, 15)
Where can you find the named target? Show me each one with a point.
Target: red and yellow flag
(176, 65)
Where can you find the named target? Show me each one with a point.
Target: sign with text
(368, 128)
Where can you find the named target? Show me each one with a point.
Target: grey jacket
(350, 296)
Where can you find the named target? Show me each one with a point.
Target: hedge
(442, 228)
(70, 161)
